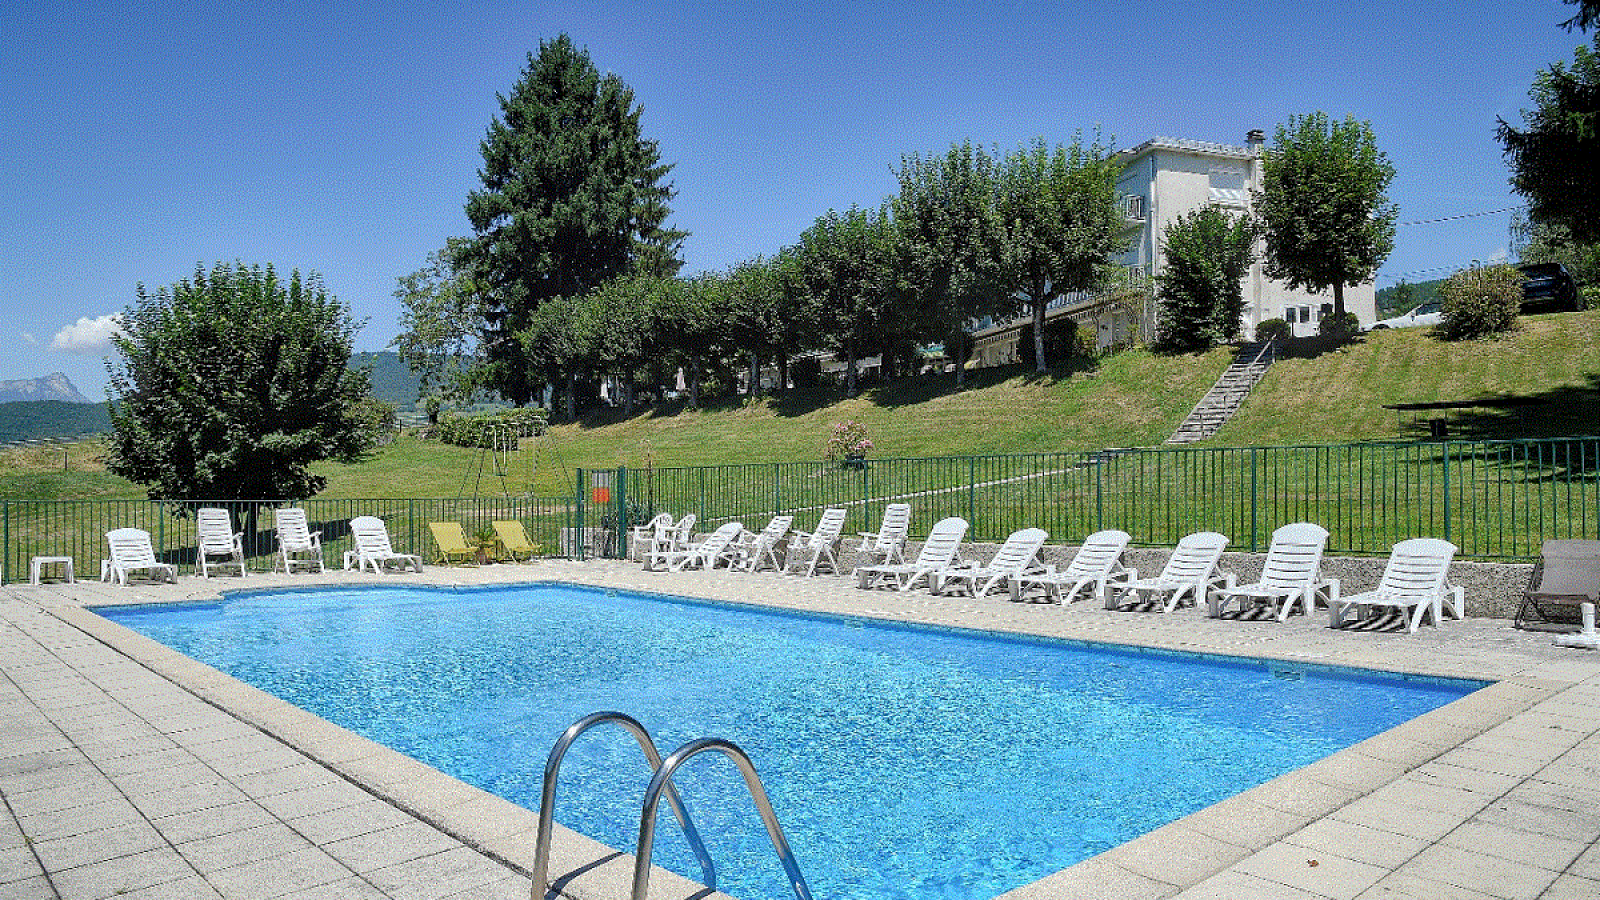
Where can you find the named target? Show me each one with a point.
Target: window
(1288, 314)
(1228, 187)
(1133, 208)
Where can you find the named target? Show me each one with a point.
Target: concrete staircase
(1222, 401)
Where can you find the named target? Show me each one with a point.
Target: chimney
(1253, 139)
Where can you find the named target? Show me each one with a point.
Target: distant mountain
(54, 386)
(46, 419)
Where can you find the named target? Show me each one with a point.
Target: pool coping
(1219, 845)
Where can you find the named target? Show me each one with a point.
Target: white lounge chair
(297, 544)
(1097, 563)
(706, 553)
(939, 552)
(670, 540)
(888, 544)
(372, 548)
(641, 538)
(1190, 572)
(131, 552)
(1290, 575)
(812, 548)
(1415, 580)
(215, 537)
(1019, 555)
(756, 549)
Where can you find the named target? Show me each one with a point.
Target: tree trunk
(755, 375)
(572, 395)
(1338, 300)
(850, 370)
(1040, 364)
(783, 373)
(694, 385)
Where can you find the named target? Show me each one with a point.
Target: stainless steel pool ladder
(660, 783)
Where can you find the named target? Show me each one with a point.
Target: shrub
(1340, 328)
(806, 372)
(1481, 301)
(848, 439)
(477, 431)
(1273, 330)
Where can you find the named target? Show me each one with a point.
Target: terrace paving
(127, 770)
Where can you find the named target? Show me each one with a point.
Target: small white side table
(37, 563)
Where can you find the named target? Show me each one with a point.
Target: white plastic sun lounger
(708, 552)
(372, 548)
(888, 544)
(1290, 575)
(814, 548)
(1019, 555)
(1414, 580)
(1190, 572)
(131, 552)
(939, 552)
(1097, 563)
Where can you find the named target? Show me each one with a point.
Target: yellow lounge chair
(452, 541)
(515, 540)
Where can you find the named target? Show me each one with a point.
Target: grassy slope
(1339, 396)
(1133, 399)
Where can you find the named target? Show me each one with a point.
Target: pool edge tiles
(1147, 866)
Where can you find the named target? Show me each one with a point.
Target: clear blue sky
(342, 138)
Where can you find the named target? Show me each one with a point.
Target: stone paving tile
(350, 821)
(114, 877)
(1542, 850)
(34, 887)
(421, 878)
(194, 825)
(1406, 886)
(1357, 843)
(192, 888)
(236, 848)
(98, 846)
(391, 846)
(276, 876)
(1504, 878)
(1570, 887)
(108, 813)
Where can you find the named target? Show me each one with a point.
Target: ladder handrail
(547, 797)
(662, 783)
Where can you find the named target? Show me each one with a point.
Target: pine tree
(573, 195)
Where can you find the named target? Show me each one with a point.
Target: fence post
(1099, 492)
(1445, 447)
(577, 530)
(777, 489)
(619, 549)
(972, 490)
(5, 544)
(1255, 502)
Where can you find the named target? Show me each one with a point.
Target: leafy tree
(847, 266)
(1587, 17)
(625, 335)
(691, 324)
(756, 312)
(1552, 157)
(232, 384)
(1058, 209)
(439, 329)
(1202, 285)
(573, 195)
(560, 345)
(1326, 219)
(950, 233)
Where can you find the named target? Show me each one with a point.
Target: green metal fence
(77, 528)
(1494, 499)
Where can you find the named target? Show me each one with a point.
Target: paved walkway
(129, 771)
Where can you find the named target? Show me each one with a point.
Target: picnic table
(1439, 425)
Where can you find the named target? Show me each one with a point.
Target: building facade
(1165, 178)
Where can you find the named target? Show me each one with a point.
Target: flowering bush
(848, 439)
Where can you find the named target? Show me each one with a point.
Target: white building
(1165, 178)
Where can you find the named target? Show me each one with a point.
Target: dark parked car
(1548, 287)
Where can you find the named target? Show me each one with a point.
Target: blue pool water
(904, 762)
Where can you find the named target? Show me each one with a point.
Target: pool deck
(129, 771)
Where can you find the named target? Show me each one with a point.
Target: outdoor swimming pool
(904, 761)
